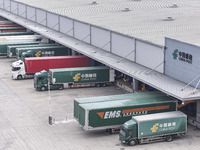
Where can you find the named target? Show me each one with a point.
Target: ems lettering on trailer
(129, 112)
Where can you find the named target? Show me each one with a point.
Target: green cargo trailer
(46, 50)
(78, 101)
(153, 127)
(12, 29)
(76, 77)
(3, 46)
(111, 115)
(18, 39)
(80, 75)
(16, 33)
(11, 50)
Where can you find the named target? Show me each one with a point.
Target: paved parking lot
(24, 120)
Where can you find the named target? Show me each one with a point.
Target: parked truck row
(16, 40)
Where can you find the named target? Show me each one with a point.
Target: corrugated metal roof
(147, 19)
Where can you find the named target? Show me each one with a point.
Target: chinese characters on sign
(167, 126)
(182, 56)
(91, 76)
(48, 53)
(185, 57)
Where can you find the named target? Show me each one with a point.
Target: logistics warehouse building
(156, 42)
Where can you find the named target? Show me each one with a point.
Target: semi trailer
(9, 25)
(4, 22)
(11, 50)
(121, 97)
(112, 114)
(12, 29)
(74, 77)
(16, 33)
(47, 50)
(27, 69)
(15, 40)
(20, 50)
(4, 46)
(153, 127)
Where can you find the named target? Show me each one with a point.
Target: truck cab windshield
(123, 131)
(40, 78)
(16, 68)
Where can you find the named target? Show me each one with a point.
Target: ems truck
(74, 77)
(153, 127)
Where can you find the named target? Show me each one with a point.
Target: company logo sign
(182, 56)
(38, 54)
(163, 127)
(129, 112)
(77, 77)
(45, 53)
(155, 127)
(85, 77)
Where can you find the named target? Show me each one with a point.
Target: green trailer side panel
(82, 119)
(42, 48)
(3, 46)
(80, 75)
(163, 126)
(11, 28)
(116, 116)
(11, 50)
(85, 100)
(16, 33)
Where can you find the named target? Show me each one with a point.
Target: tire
(110, 131)
(60, 87)
(103, 84)
(169, 138)
(43, 88)
(132, 142)
(97, 85)
(19, 77)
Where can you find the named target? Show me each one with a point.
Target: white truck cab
(18, 70)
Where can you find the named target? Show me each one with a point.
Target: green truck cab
(41, 82)
(153, 127)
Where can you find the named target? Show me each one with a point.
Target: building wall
(182, 61)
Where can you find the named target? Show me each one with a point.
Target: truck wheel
(103, 84)
(19, 77)
(43, 88)
(97, 85)
(169, 138)
(60, 87)
(132, 142)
